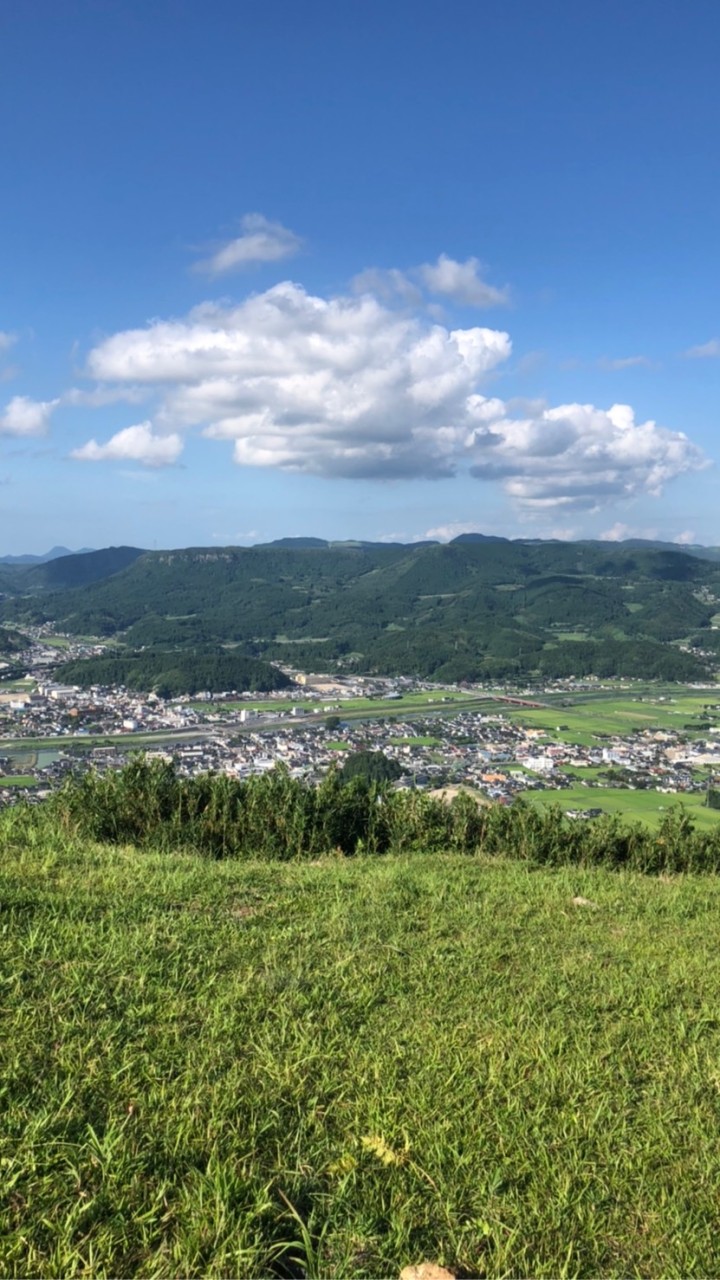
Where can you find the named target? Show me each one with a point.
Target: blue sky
(365, 270)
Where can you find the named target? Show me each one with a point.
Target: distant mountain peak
(297, 544)
(477, 537)
(55, 553)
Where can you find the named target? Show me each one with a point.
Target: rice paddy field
(334, 1070)
(648, 807)
(607, 714)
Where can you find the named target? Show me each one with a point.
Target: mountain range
(55, 553)
(475, 608)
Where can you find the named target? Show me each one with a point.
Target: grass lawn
(21, 780)
(420, 741)
(216, 1069)
(589, 771)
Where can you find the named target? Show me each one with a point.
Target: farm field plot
(642, 806)
(24, 685)
(421, 740)
(591, 771)
(216, 1069)
(580, 723)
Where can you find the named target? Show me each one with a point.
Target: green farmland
(610, 715)
(648, 807)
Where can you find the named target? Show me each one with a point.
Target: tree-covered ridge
(173, 673)
(67, 571)
(10, 641)
(466, 610)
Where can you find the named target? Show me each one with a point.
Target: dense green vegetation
(333, 1070)
(11, 642)
(490, 609)
(172, 673)
(369, 766)
(279, 818)
(66, 571)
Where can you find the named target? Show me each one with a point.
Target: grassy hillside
(468, 610)
(214, 1069)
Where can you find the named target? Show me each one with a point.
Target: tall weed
(278, 818)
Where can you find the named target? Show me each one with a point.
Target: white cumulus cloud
(25, 417)
(261, 241)
(462, 282)
(134, 444)
(579, 457)
(351, 387)
(340, 386)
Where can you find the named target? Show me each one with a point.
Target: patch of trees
(369, 767)
(173, 673)
(607, 658)
(11, 641)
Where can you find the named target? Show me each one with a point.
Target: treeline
(639, 659)
(172, 673)
(277, 818)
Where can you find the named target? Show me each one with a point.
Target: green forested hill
(10, 642)
(468, 609)
(176, 673)
(79, 570)
(66, 571)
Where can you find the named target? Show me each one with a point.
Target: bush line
(278, 818)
